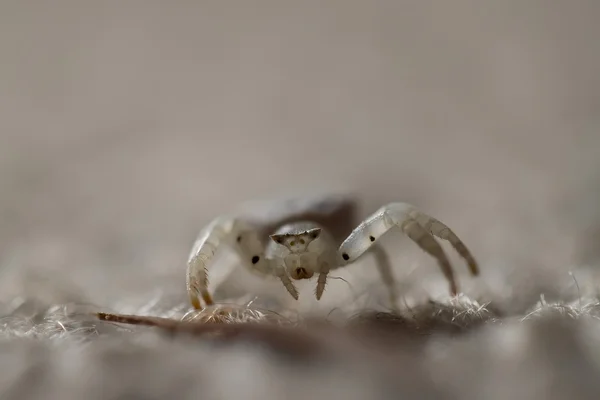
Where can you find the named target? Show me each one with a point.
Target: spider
(300, 246)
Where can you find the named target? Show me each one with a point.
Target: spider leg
(427, 242)
(400, 215)
(439, 229)
(382, 260)
(222, 231)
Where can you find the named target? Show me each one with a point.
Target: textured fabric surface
(126, 126)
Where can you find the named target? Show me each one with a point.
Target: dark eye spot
(372, 238)
(314, 235)
(345, 256)
(292, 243)
(239, 239)
(255, 259)
(301, 241)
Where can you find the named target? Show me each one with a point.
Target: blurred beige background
(127, 125)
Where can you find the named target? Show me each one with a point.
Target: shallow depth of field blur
(126, 126)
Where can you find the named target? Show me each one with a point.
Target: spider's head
(297, 243)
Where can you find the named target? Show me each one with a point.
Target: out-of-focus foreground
(126, 126)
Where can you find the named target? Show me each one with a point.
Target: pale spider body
(301, 248)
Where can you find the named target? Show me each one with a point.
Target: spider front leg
(417, 226)
(440, 230)
(232, 232)
(381, 259)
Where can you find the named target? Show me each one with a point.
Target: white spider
(300, 248)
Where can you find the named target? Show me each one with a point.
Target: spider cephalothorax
(296, 237)
(303, 249)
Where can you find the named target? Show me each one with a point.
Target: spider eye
(301, 241)
(292, 243)
(277, 239)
